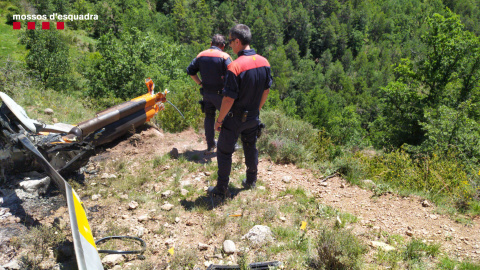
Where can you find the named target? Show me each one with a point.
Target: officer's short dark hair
(218, 40)
(242, 32)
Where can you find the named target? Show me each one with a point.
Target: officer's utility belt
(203, 90)
(243, 114)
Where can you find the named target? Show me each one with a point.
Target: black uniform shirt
(212, 64)
(247, 77)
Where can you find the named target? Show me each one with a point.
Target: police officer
(212, 64)
(246, 89)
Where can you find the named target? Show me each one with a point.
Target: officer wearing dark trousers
(212, 64)
(246, 90)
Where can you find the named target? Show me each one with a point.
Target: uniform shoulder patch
(244, 63)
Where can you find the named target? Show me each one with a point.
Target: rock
(167, 207)
(177, 220)
(185, 183)
(259, 234)
(384, 246)
(95, 197)
(60, 223)
(124, 196)
(283, 219)
(13, 219)
(409, 233)
(157, 187)
(113, 259)
(54, 120)
(36, 186)
(108, 176)
(184, 192)
(140, 231)
(48, 111)
(132, 205)
(12, 265)
(433, 217)
(202, 246)
(287, 179)
(229, 247)
(207, 173)
(143, 218)
(117, 267)
(342, 185)
(426, 203)
(369, 183)
(174, 153)
(167, 194)
(207, 263)
(261, 188)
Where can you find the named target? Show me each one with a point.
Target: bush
(185, 98)
(338, 250)
(440, 176)
(11, 10)
(417, 249)
(40, 239)
(286, 140)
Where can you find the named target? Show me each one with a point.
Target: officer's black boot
(217, 191)
(248, 185)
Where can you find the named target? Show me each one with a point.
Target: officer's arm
(264, 98)
(196, 79)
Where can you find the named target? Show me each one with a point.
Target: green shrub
(40, 239)
(449, 264)
(286, 140)
(185, 97)
(440, 176)
(11, 10)
(184, 259)
(338, 250)
(416, 249)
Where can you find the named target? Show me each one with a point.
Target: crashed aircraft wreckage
(26, 144)
(68, 147)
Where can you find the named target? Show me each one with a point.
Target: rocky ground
(172, 224)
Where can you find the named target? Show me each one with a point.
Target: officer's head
(242, 33)
(218, 41)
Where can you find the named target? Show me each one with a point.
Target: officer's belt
(208, 88)
(219, 92)
(239, 113)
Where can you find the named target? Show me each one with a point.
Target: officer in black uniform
(212, 64)
(246, 89)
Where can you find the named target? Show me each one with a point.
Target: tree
(48, 55)
(434, 86)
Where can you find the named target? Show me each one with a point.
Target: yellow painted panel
(83, 226)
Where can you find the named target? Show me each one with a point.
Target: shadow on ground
(198, 156)
(208, 202)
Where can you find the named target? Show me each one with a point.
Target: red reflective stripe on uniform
(244, 63)
(213, 53)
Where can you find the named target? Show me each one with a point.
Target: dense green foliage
(400, 76)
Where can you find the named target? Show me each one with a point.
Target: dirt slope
(388, 213)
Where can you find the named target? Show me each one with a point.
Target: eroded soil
(392, 214)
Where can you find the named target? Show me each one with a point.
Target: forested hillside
(401, 77)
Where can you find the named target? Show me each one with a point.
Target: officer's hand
(218, 126)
